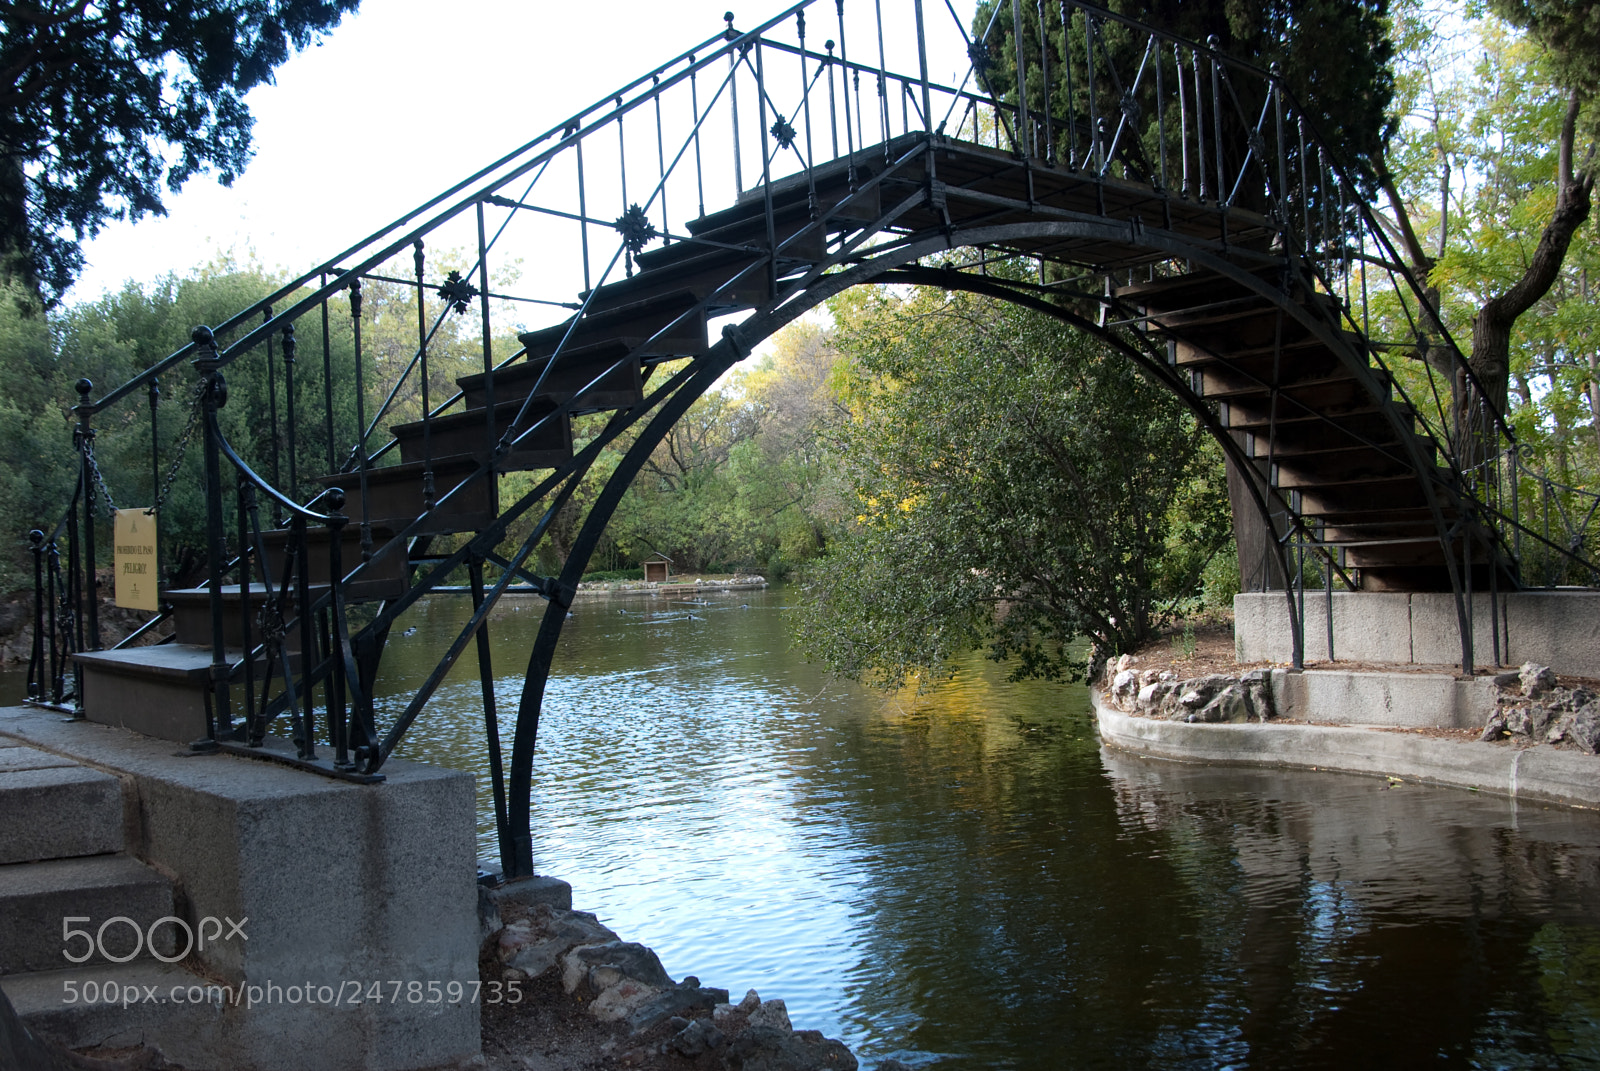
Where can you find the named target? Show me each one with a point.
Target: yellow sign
(138, 587)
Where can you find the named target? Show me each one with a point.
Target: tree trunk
(1491, 328)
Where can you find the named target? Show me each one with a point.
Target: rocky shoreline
(598, 1001)
(1532, 708)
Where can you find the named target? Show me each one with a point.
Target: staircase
(1322, 426)
(64, 865)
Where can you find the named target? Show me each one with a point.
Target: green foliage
(1017, 487)
(1348, 99)
(1476, 167)
(106, 104)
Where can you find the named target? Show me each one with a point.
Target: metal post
(1024, 127)
(213, 395)
(85, 437)
(491, 722)
(883, 83)
(291, 349)
(362, 460)
(922, 66)
(327, 376)
(733, 99)
(418, 260)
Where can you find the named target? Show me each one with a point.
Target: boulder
(680, 1001)
(620, 959)
(761, 1048)
(1227, 705)
(1535, 679)
(537, 943)
(773, 1013)
(1124, 686)
(1258, 694)
(695, 1039)
(1584, 729)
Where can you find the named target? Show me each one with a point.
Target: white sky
(339, 143)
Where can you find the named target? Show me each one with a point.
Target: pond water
(968, 880)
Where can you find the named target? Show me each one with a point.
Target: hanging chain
(180, 446)
(99, 480)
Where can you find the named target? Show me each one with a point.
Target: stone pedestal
(334, 887)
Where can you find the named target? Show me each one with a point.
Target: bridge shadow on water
(970, 875)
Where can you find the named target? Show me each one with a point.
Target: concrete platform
(1544, 774)
(1559, 628)
(341, 884)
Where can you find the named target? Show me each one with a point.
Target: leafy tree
(1017, 487)
(104, 105)
(1490, 180)
(1348, 99)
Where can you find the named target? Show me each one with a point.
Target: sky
(339, 143)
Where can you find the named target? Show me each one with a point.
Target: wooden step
(837, 206)
(1396, 492)
(620, 383)
(191, 616)
(394, 496)
(717, 276)
(1298, 375)
(385, 580)
(670, 325)
(1335, 399)
(160, 691)
(466, 434)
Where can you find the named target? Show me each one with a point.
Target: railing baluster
(327, 375)
(805, 104)
(272, 404)
(733, 102)
(849, 74)
(418, 260)
(883, 82)
(661, 164)
(291, 349)
(36, 653)
(583, 221)
(1025, 145)
(1066, 63)
(694, 102)
(91, 580)
(1044, 71)
(362, 458)
(833, 107)
(212, 394)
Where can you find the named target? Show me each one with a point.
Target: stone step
(36, 898)
(145, 1002)
(55, 808)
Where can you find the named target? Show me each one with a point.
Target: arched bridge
(1174, 201)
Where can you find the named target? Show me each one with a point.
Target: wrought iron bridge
(1174, 201)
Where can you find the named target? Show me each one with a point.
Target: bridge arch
(906, 263)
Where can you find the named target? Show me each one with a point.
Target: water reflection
(968, 879)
